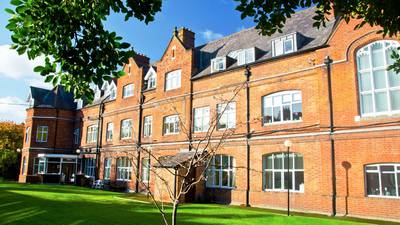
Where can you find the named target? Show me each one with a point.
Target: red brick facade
(357, 140)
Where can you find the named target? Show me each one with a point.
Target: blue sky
(209, 19)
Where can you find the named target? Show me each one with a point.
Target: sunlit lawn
(54, 204)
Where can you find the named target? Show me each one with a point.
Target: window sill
(384, 197)
(219, 187)
(130, 96)
(173, 89)
(123, 180)
(149, 89)
(170, 134)
(282, 123)
(376, 116)
(283, 191)
(41, 141)
(126, 139)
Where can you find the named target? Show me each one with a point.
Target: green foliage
(9, 164)
(70, 34)
(11, 135)
(270, 16)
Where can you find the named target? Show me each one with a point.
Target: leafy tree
(270, 16)
(70, 34)
(11, 138)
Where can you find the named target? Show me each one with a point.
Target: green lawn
(54, 204)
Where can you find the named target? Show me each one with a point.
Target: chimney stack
(141, 59)
(186, 36)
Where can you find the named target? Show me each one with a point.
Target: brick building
(326, 90)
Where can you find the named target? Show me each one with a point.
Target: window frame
(41, 133)
(281, 41)
(124, 171)
(367, 50)
(77, 135)
(145, 170)
(396, 172)
(27, 131)
(126, 93)
(230, 170)
(292, 102)
(205, 120)
(222, 112)
(218, 61)
(109, 135)
(92, 129)
(244, 53)
(90, 167)
(282, 171)
(123, 129)
(147, 126)
(176, 76)
(107, 168)
(175, 125)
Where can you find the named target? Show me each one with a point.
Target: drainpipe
(328, 62)
(139, 140)
(247, 73)
(56, 129)
(99, 136)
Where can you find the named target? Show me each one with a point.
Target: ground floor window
(275, 174)
(90, 165)
(221, 172)
(124, 168)
(383, 180)
(107, 168)
(145, 170)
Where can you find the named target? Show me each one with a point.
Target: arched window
(275, 176)
(383, 179)
(284, 106)
(379, 88)
(221, 172)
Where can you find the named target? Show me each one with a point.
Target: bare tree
(197, 159)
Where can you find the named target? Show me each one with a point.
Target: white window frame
(282, 156)
(90, 165)
(107, 168)
(226, 114)
(39, 165)
(126, 129)
(124, 169)
(27, 131)
(277, 100)
(246, 56)
(279, 43)
(201, 119)
(145, 170)
(128, 91)
(147, 126)
(110, 131)
(173, 80)
(171, 121)
(218, 64)
(42, 134)
(77, 134)
(396, 173)
(367, 51)
(113, 93)
(230, 170)
(152, 81)
(91, 133)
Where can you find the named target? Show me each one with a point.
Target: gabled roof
(56, 98)
(300, 23)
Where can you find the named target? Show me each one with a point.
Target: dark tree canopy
(70, 34)
(78, 50)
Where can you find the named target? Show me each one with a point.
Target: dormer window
(97, 93)
(246, 56)
(218, 64)
(284, 45)
(113, 94)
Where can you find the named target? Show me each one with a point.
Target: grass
(54, 204)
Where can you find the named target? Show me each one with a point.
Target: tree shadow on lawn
(18, 208)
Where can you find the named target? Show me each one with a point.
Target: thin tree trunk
(174, 212)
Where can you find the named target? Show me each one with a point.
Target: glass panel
(395, 99)
(218, 162)
(394, 79)
(217, 176)
(379, 79)
(269, 162)
(225, 162)
(277, 100)
(286, 112)
(277, 114)
(365, 81)
(287, 98)
(371, 167)
(296, 97)
(53, 168)
(277, 180)
(290, 180)
(373, 184)
(388, 184)
(267, 115)
(389, 59)
(269, 180)
(366, 103)
(278, 162)
(298, 162)
(288, 46)
(377, 54)
(210, 178)
(387, 168)
(225, 178)
(363, 61)
(297, 112)
(299, 181)
(398, 183)
(381, 102)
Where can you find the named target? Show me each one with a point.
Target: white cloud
(209, 35)
(12, 109)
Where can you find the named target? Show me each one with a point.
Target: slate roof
(172, 161)
(300, 23)
(55, 98)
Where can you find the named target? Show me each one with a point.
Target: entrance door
(66, 172)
